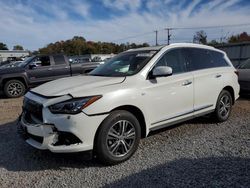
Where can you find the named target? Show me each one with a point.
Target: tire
(223, 106)
(14, 88)
(112, 141)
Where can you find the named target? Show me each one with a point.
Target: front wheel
(223, 106)
(118, 137)
(14, 88)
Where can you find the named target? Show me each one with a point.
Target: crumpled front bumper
(60, 133)
(46, 136)
(40, 136)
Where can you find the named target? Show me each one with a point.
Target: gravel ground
(198, 153)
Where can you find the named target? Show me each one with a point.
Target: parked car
(16, 78)
(244, 77)
(132, 94)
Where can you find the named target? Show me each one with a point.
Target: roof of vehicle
(148, 48)
(191, 45)
(173, 45)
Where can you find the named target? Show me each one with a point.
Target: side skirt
(180, 120)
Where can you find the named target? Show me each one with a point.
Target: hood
(8, 70)
(75, 86)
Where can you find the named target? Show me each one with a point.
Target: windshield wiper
(96, 74)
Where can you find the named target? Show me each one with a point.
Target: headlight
(73, 106)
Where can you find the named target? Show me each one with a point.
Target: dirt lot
(198, 153)
(9, 109)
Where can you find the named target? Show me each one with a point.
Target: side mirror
(162, 71)
(32, 66)
(70, 60)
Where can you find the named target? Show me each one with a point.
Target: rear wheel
(118, 137)
(223, 106)
(14, 88)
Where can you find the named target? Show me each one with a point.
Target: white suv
(136, 92)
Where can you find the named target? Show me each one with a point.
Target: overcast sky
(35, 23)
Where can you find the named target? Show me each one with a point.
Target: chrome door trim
(183, 113)
(179, 121)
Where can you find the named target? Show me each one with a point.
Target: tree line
(79, 46)
(5, 47)
(201, 38)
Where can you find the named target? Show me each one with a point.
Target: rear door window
(59, 59)
(198, 59)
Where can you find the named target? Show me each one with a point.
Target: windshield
(25, 62)
(124, 64)
(245, 65)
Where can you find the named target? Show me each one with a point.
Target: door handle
(186, 83)
(218, 76)
(66, 67)
(49, 69)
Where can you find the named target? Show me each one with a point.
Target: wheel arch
(19, 78)
(136, 112)
(231, 91)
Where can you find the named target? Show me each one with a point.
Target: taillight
(236, 72)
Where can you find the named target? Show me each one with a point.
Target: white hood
(75, 85)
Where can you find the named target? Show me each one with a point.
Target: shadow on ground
(204, 172)
(244, 97)
(2, 95)
(17, 155)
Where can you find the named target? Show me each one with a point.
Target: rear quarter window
(218, 59)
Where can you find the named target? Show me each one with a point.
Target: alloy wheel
(15, 89)
(120, 138)
(224, 106)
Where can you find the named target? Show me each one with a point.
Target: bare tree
(200, 37)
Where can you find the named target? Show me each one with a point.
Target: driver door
(170, 98)
(41, 70)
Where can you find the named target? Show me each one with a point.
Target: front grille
(32, 111)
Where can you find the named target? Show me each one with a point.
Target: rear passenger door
(208, 77)
(61, 67)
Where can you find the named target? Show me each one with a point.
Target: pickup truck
(16, 79)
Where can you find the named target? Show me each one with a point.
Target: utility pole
(156, 38)
(169, 35)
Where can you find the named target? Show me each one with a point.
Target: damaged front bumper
(46, 136)
(59, 133)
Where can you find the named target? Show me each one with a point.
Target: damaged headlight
(73, 106)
